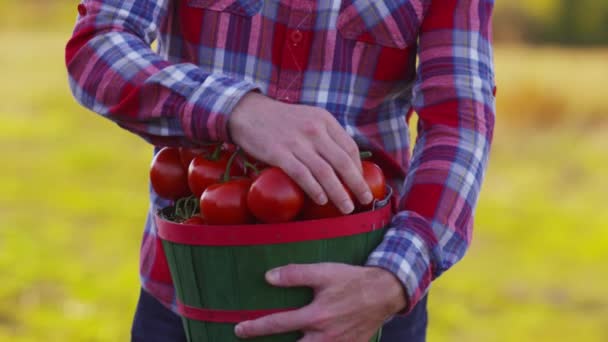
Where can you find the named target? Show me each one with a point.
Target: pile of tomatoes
(221, 185)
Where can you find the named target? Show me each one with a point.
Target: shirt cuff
(209, 107)
(406, 255)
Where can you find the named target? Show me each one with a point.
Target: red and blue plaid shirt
(355, 58)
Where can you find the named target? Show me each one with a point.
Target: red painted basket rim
(224, 316)
(279, 233)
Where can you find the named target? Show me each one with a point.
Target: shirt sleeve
(454, 99)
(114, 72)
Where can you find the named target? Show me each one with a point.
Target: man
(303, 84)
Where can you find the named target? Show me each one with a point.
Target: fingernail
(347, 207)
(238, 330)
(272, 276)
(322, 199)
(367, 198)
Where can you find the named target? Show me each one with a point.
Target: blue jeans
(155, 323)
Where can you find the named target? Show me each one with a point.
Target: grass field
(74, 187)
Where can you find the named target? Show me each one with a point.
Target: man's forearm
(114, 72)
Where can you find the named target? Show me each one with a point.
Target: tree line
(564, 22)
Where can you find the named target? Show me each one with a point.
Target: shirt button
(296, 36)
(82, 10)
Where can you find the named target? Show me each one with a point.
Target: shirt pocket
(246, 8)
(392, 24)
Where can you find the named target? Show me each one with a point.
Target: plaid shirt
(355, 58)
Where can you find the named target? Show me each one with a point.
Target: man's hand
(351, 303)
(306, 142)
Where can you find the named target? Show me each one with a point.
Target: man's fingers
(343, 164)
(310, 337)
(345, 141)
(326, 176)
(275, 324)
(310, 275)
(301, 174)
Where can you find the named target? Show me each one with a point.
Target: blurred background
(73, 189)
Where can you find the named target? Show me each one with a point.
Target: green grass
(71, 206)
(73, 197)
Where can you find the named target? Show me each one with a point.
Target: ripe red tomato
(274, 197)
(374, 177)
(195, 220)
(313, 211)
(187, 154)
(203, 172)
(167, 175)
(226, 203)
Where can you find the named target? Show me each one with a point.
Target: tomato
(374, 177)
(167, 175)
(204, 172)
(314, 211)
(274, 197)
(226, 203)
(195, 220)
(187, 154)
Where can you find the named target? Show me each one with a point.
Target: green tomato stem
(226, 176)
(216, 153)
(251, 166)
(365, 154)
(179, 214)
(190, 206)
(185, 208)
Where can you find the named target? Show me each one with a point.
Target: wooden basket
(218, 271)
